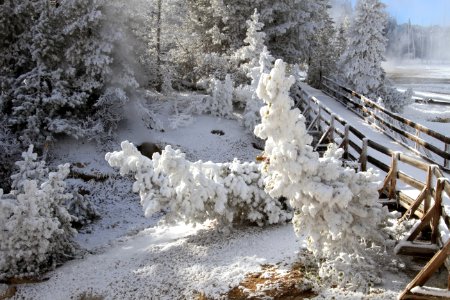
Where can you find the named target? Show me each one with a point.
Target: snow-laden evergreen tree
(197, 191)
(100, 68)
(366, 46)
(29, 169)
(16, 19)
(219, 27)
(395, 100)
(9, 153)
(35, 231)
(221, 103)
(257, 60)
(322, 52)
(67, 68)
(253, 104)
(341, 37)
(283, 26)
(248, 55)
(334, 206)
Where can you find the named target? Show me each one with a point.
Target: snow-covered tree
(366, 46)
(322, 53)
(220, 103)
(68, 68)
(29, 169)
(253, 104)
(395, 100)
(196, 191)
(9, 153)
(341, 37)
(334, 206)
(248, 55)
(35, 232)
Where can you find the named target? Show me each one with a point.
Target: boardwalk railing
(401, 186)
(429, 144)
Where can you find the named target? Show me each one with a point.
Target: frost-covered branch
(196, 191)
(334, 206)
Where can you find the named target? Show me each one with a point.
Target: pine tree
(67, 68)
(35, 232)
(341, 37)
(322, 51)
(254, 44)
(361, 62)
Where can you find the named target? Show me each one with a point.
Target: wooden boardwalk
(411, 180)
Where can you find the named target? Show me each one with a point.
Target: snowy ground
(131, 257)
(428, 79)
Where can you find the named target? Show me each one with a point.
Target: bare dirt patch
(271, 283)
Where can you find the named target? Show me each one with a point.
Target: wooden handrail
(370, 144)
(436, 135)
(367, 107)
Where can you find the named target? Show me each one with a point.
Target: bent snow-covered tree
(334, 206)
(197, 191)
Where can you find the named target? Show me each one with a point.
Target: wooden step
(416, 248)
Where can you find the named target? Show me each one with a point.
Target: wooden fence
(429, 144)
(401, 186)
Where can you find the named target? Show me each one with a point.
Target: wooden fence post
(319, 118)
(447, 161)
(393, 179)
(332, 121)
(416, 146)
(346, 141)
(437, 209)
(390, 182)
(428, 183)
(363, 156)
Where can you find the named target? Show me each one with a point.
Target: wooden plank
(429, 269)
(411, 181)
(424, 222)
(428, 293)
(380, 148)
(415, 205)
(354, 146)
(405, 201)
(413, 162)
(380, 165)
(357, 133)
(416, 249)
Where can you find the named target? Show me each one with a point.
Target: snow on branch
(196, 191)
(334, 206)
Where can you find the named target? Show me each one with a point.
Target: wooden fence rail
(430, 145)
(400, 178)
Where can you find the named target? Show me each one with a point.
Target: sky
(421, 12)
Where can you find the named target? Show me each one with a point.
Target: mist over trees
(409, 41)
